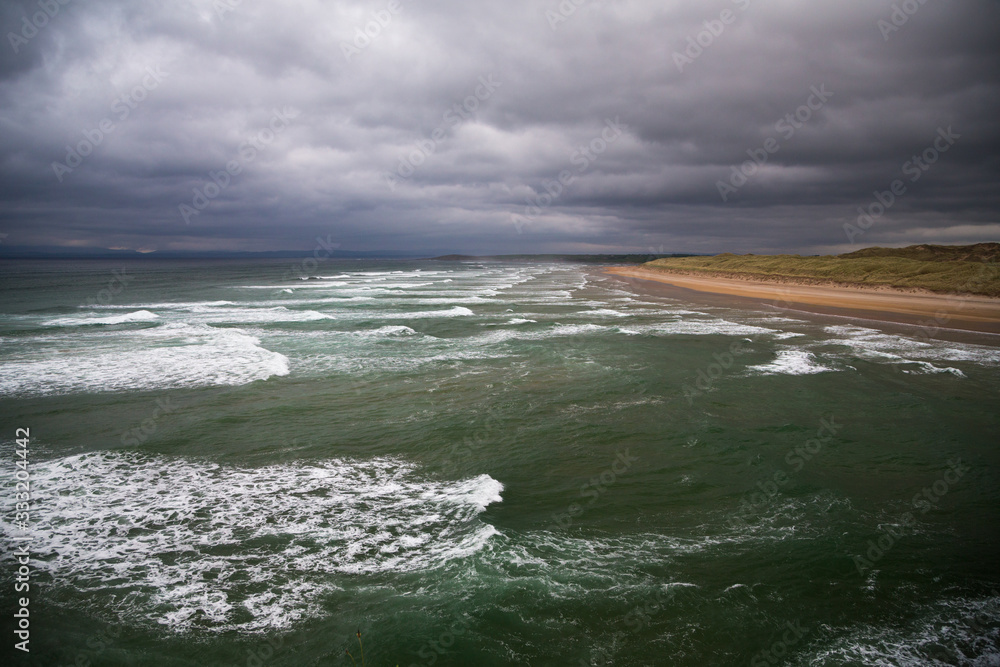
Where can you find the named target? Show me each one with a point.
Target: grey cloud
(654, 186)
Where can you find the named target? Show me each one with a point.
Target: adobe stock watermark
(433, 649)
(713, 29)
(777, 652)
(595, 488)
(563, 11)
(599, 657)
(96, 645)
(306, 267)
(707, 376)
(38, 20)
(134, 437)
(641, 616)
(787, 125)
(453, 117)
(796, 458)
(925, 500)
(929, 327)
(636, 620)
(486, 432)
(915, 167)
(223, 7)
(784, 300)
(977, 622)
(119, 281)
(901, 13)
(363, 38)
(582, 158)
(258, 656)
(248, 151)
(122, 107)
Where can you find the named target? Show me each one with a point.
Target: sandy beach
(973, 313)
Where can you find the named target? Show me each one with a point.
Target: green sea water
(478, 463)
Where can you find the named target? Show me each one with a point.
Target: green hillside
(969, 269)
(980, 252)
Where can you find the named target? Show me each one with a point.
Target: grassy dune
(943, 269)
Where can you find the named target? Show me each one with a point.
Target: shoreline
(934, 312)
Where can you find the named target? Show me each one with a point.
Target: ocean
(483, 463)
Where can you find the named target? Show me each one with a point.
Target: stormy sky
(490, 127)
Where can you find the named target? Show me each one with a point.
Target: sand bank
(976, 313)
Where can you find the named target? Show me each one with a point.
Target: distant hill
(979, 252)
(971, 269)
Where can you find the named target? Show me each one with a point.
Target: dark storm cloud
(449, 129)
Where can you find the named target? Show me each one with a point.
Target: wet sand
(935, 313)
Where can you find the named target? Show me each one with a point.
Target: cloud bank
(522, 126)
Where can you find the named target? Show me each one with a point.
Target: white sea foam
(924, 367)
(514, 321)
(439, 301)
(950, 631)
(167, 305)
(700, 327)
(678, 327)
(316, 300)
(308, 284)
(137, 316)
(246, 315)
(564, 560)
(400, 286)
(492, 337)
(394, 330)
(792, 362)
(382, 273)
(225, 312)
(421, 350)
(173, 355)
(330, 291)
(874, 345)
(191, 544)
(457, 311)
(604, 312)
(434, 293)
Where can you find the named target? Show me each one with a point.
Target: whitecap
(393, 330)
(173, 355)
(137, 316)
(457, 311)
(792, 362)
(192, 544)
(604, 312)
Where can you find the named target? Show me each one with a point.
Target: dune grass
(873, 267)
